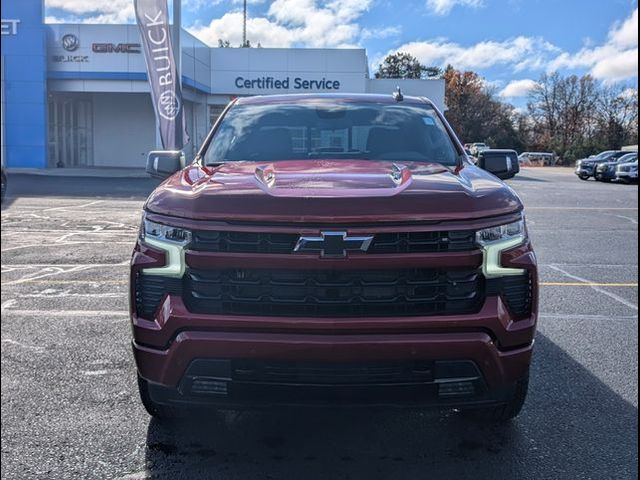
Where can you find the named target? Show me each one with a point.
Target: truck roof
(339, 97)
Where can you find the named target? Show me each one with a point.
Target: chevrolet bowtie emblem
(333, 244)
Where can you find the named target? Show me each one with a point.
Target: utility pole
(177, 26)
(244, 25)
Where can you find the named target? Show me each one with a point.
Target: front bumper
(627, 175)
(585, 171)
(169, 346)
(241, 384)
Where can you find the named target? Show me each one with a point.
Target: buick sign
(70, 42)
(152, 17)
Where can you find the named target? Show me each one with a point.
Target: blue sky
(509, 42)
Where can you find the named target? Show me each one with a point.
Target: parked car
(377, 269)
(586, 167)
(627, 172)
(606, 172)
(476, 148)
(538, 159)
(493, 158)
(470, 156)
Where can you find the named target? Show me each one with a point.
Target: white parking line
(59, 244)
(7, 304)
(91, 373)
(46, 272)
(613, 296)
(632, 220)
(577, 316)
(69, 313)
(65, 208)
(22, 345)
(635, 209)
(63, 265)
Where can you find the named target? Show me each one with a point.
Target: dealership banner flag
(153, 21)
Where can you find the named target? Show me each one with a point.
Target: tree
(577, 116)
(562, 109)
(617, 116)
(227, 44)
(404, 65)
(474, 112)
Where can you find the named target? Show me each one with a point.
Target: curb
(81, 172)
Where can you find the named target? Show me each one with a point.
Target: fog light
(209, 386)
(456, 389)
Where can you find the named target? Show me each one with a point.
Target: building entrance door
(70, 130)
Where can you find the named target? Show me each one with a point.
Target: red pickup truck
(326, 250)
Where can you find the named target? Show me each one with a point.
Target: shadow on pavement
(21, 185)
(565, 431)
(521, 177)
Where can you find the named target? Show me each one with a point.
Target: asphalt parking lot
(70, 406)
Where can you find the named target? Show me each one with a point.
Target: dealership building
(76, 95)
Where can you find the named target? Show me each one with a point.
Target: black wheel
(156, 410)
(598, 177)
(508, 411)
(582, 176)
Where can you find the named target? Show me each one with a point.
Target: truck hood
(332, 191)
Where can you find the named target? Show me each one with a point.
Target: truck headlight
(165, 233)
(495, 240)
(501, 233)
(172, 240)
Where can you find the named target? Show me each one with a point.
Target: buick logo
(333, 244)
(168, 105)
(70, 42)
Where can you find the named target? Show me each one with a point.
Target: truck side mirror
(164, 163)
(502, 163)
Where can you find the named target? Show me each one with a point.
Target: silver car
(627, 171)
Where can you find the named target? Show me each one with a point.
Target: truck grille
(333, 374)
(283, 243)
(151, 289)
(516, 291)
(334, 293)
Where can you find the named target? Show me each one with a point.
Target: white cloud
(84, 11)
(444, 7)
(518, 88)
(380, 33)
(259, 30)
(309, 23)
(616, 59)
(518, 52)
(626, 35)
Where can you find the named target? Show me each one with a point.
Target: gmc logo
(116, 48)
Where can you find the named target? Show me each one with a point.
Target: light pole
(177, 24)
(244, 24)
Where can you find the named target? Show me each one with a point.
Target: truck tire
(507, 411)
(156, 410)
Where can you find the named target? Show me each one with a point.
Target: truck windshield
(331, 130)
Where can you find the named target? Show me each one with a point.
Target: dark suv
(332, 250)
(606, 172)
(586, 168)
